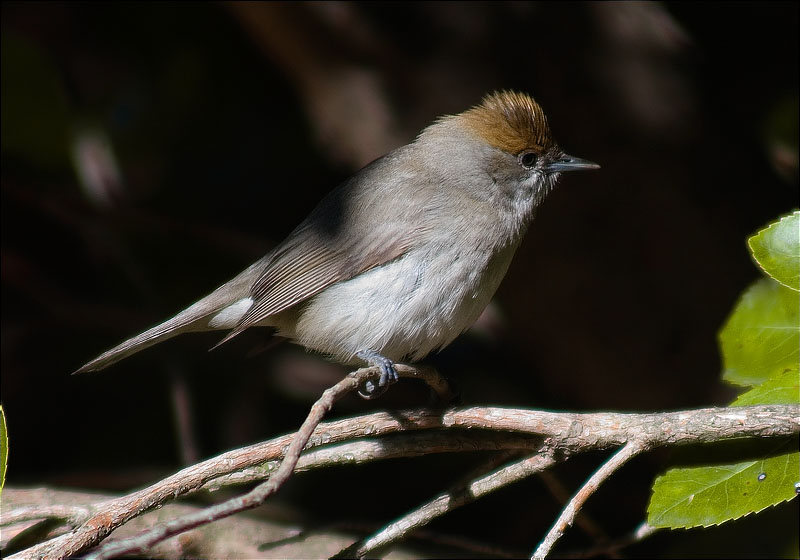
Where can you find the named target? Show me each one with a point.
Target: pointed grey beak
(569, 163)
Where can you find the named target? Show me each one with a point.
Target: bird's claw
(369, 389)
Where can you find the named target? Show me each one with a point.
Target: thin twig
(567, 517)
(141, 542)
(586, 523)
(449, 501)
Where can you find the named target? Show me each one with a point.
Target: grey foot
(388, 374)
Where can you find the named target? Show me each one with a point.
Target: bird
(403, 256)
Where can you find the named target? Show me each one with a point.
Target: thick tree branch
(643, 432)
(562, 432)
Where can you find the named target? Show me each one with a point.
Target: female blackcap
(402, 257)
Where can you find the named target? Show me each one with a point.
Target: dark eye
(528, 159)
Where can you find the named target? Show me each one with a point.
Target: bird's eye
(528, 159)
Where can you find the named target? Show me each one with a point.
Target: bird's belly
(403, 309)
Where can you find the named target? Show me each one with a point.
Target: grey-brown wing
(309, 265)
(351, 231)
(300, 271)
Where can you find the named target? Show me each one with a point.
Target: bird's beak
(569, 163)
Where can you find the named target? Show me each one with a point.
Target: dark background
(208, 131)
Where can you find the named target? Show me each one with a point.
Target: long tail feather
(211, 312)
(182, 322)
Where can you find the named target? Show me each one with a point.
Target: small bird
(402, 257)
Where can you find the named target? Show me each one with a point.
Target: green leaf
(783, 388)
(762, 335)
(3, 449)
(704, 496)
(776, 249)
(760, 345)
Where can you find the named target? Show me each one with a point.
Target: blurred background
(151, 151)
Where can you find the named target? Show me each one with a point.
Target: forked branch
(545, 438)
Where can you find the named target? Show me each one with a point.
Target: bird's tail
(182, 322)
(218, 310)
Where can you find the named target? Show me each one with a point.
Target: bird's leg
(388, 374)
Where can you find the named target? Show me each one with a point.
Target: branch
(390, 447)
(563, 432)
(644, 436)
(567, 517)
(238, 536)
(143, 541)
(449, 501)
(586, 523)
(71, 515)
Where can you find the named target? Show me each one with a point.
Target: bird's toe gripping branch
(370, 390)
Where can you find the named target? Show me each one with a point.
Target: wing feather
(351, 231)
